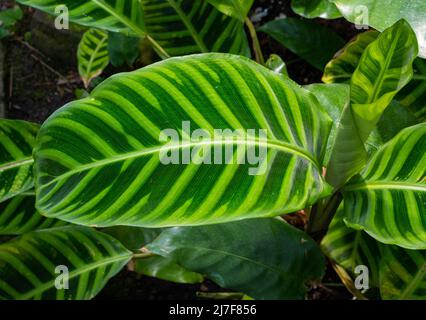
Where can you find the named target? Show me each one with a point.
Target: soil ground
(39, 80)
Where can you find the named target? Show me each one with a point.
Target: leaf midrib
(398, 185)
(73, 274)
(95, 53)
(16, 164)
(286, 147)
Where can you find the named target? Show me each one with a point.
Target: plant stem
(256, 45)
(143, 255)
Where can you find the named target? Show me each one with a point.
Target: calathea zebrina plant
(190, 166)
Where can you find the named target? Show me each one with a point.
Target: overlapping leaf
(315, 9)
(101, 160)
(17, 140)
(18, 215)
(263, 258)
(387, 199)
(92, 55)
(29, 264)
(234, 8)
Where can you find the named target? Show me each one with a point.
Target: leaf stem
(143, 255)
(256, 45)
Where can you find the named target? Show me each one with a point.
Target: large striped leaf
(263, 258)
(192, 26)
(17, 140)
(314, 43)
(387, 199)
(381, 14)
(172, 27)
(92, 55)
(18, 215)
(101, 160)
(315, 9)
(384, 68)
(402, 273)
(28, 263)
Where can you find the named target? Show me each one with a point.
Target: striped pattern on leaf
(18, 215)
(387, 199)
(28, 263)
(98, 159)
(17, 140)
(188, 26)
(403, 273)
(112, 15)
(92, 55)
(263, 258)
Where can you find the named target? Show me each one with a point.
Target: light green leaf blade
(18, 216)
(314, 43)
(315, 9)
(29, 263)
(403, 274)
(387, 198)
(17, 139)
(92, 55)
(106, 160)
(166, 269)
(383, 70)
(234, 8)
(381, 14)
(263, 258)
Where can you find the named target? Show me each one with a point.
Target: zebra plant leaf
(315, 9)
(387, 198)
(17, 140)
(129, 155)
(263, 258)
(29, 264)
(92, 55)
(402, 273)
(384, 68)
(381, 14)
(18, 216)
(234, 8)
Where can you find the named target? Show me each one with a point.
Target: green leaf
(276, 64)
(18, 215)
(315, 9)
(263, 258)
(166, 269)
(122, 50)
(345, 62)
(92, 55)
(234, 8)
(402, 273)
(387, 198)
(313, 42)
(17, 140)
(349, 248)
(381, 14)
(384, 68)
(133, 238)
(29, 263)
(105, 160)
(9, 17)
(333, 98)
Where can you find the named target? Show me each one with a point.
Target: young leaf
(18, 216)
(17, 140)
(381, 14)
(263, 258)
(314, 43)
(105, 160)
(31, 262)
(402, 273)
(92, 55)
(234, 8)
(387, 198)
(315, 9)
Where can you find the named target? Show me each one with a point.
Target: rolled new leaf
(92, 55)
(128, 154)
(387, 198)
(59, 264)
(17, 140)
(263, 258)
